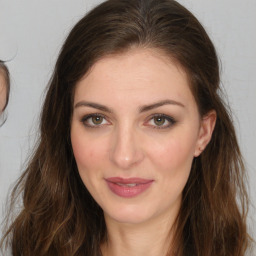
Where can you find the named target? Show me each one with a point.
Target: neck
(152, 238)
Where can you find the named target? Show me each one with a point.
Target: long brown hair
(59, 216)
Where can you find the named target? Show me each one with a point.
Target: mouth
(128, 185)
(128, 188)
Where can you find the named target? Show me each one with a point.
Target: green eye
(159, 120)
(97, 120)
(94, 120)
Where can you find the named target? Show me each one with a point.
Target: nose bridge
(126, 150)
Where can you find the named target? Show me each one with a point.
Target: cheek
(178, 153)
(175, 155)
(173, 164)
(89, 160)
(87, 153)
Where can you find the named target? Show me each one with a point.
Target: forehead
(139, 73)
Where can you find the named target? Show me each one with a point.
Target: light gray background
(32, 32)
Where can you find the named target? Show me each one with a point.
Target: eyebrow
(143, 108)
(159, 104)
(93, 105)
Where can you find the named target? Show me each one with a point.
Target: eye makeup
(94, 120)
(154, 121)
(160, 121)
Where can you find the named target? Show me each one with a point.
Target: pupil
(97, 119)
(159, 120)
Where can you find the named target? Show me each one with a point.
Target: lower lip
(127, 192)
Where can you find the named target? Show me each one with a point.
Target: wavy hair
(58, 215)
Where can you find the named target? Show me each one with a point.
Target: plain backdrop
(32, 32)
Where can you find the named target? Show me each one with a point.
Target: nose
(126, 149)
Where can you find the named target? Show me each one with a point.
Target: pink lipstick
(128, 187)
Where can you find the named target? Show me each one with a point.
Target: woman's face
(3, 92)
(135, 131)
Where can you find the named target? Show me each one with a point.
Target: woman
(4, 90)
(137, 153)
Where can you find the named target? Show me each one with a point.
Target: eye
(161, 121)
(94, 120)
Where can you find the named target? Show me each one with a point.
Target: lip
(128, 188)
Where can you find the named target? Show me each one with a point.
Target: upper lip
(134, 180)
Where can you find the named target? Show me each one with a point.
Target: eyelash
(171, 121)
(87, 117)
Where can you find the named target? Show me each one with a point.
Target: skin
(2, 92)
(129, 142)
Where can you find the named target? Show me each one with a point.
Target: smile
(128, 187)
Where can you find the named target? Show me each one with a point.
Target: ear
(205, 133)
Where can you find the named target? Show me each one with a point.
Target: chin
(128, 215)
